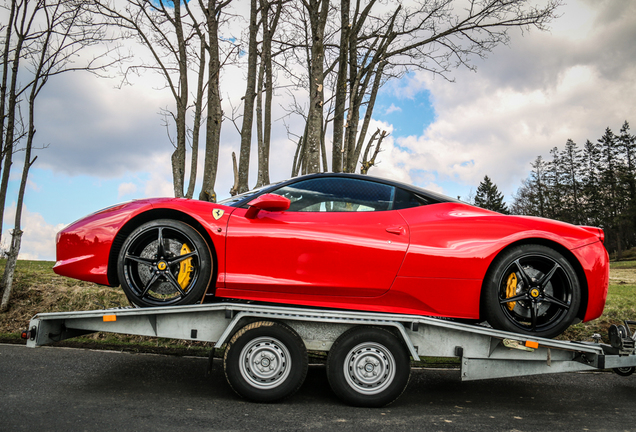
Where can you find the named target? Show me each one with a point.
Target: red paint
(427, 260)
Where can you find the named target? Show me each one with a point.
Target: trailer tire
(368, 366)
(624, 371)
(265, 361)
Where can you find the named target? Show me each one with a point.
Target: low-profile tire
(265, 361)
(531, 289)
(164, 262)
(368, 367)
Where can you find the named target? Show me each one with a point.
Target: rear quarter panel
(453, 244)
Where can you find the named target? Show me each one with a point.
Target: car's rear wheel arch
(567, 254)
(148, 216)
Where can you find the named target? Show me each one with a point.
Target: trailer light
(28, 334)
(110, 318)
(531, 344)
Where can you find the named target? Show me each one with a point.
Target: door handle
(398, 230)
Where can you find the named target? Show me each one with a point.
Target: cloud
(126, 189)
(526, 98)
(392, 109)
(38, 240)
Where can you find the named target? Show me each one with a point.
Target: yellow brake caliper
(185, 269)
(511, 290)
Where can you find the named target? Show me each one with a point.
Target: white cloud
(392, 109)
(126, 189)
(160, 182)
(536, 93)
(38, 240)
(525, 99)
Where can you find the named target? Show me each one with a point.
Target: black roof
(239, 200)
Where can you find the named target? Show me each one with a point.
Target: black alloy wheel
(165, 262)
(531, 289)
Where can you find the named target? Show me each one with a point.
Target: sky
(101, 143)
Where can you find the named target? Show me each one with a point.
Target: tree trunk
(16, 235)
(215, 113)
(317, 10)
(196, 127)
(248, 107)
(341, 88)
(10, 127)
(179, 155)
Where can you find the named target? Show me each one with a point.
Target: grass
(37, 289)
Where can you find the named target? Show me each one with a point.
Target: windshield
(231, 201)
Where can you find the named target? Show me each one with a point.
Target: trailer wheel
(624, 371)
(368, 366)
(265, 361)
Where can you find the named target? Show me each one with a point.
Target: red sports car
(346, 241)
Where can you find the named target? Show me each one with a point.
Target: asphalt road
(59, 389)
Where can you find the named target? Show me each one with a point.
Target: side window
(405, 199)
(338, 194)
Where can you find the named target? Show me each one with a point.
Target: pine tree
(571, 163)
(591, 185)
(594, 185)
(555, 193)
(489, 197)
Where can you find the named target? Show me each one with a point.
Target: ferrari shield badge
(217, 213)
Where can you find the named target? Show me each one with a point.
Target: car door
(340, 237)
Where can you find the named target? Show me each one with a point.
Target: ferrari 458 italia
(346, 241)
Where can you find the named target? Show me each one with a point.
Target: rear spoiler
(596, 231)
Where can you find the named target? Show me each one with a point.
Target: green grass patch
(37, 289)
(628, 264)
(620, 305)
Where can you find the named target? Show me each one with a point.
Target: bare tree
(46, 49)
(213, 13)
(379, 41)
(366, 162)
(162, 30)
(248, 100)
(317, 11)
(270, 16)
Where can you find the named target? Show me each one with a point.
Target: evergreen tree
(592, 204)
(489, 197)
(572, 161)
(554, 195)
(626, 189)
(595, 185)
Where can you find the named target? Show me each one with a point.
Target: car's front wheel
(164, 262)
(531, 289)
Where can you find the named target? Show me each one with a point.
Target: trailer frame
(484, 352)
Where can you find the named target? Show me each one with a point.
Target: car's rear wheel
(164, 262)
(531, 289)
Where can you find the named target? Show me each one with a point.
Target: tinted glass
(337, 194)
(405, 199)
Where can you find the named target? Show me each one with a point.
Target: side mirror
(268, 202)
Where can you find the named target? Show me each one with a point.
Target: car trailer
(369, 354)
